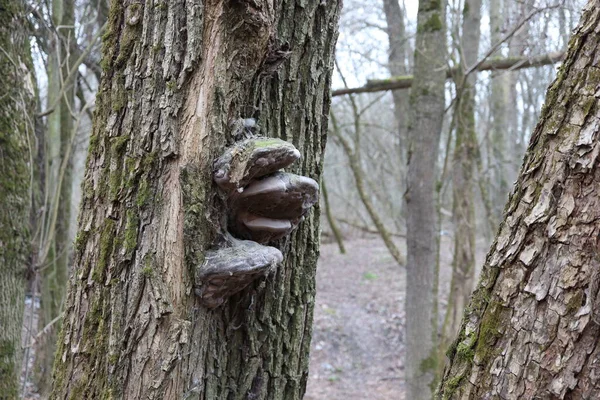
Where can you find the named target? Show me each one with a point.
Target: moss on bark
(16, 110)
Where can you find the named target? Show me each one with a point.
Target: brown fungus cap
(250, 159)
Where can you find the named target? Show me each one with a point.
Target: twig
(366, 228)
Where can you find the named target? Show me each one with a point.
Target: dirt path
(358, 338)
(357, 342)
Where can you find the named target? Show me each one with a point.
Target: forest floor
(358, 333)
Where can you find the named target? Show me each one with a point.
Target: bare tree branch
(509, 63)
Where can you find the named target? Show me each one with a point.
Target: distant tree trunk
(425, 125)
(563, 26)
(54, 274)
(463, 168)
(397, 60)
(176, 74)
(531, 329)
(516, 137)
(17, 110)
(506, 139)
(335, 231)
(397, 64)
(500, 136)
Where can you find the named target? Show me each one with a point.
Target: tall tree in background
(424, 130)
(499, 105)
(531, 329)
(397, 63)
(519, 45)
(397, 66)
(506, 141)
(59, 135)
(17, 110)
(463, 169)
(176, 74)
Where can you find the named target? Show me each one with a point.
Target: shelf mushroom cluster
(263, 204)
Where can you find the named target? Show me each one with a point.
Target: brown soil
(358, 339)
(357, 344)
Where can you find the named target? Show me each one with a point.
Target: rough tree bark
(424, 130)
(176, 74)
(531, 329)
(463, 182)
(17, 107)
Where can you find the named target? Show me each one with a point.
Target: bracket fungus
(262, 204)
(231, 268)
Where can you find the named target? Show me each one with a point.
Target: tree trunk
(335, 230)
(176, 74)
(500, 136)
(529, 330)
(515, 137)
(59, 135)
(463, 168)
(17, 108)
(397, 64)
(425, 125)
(507, 147)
